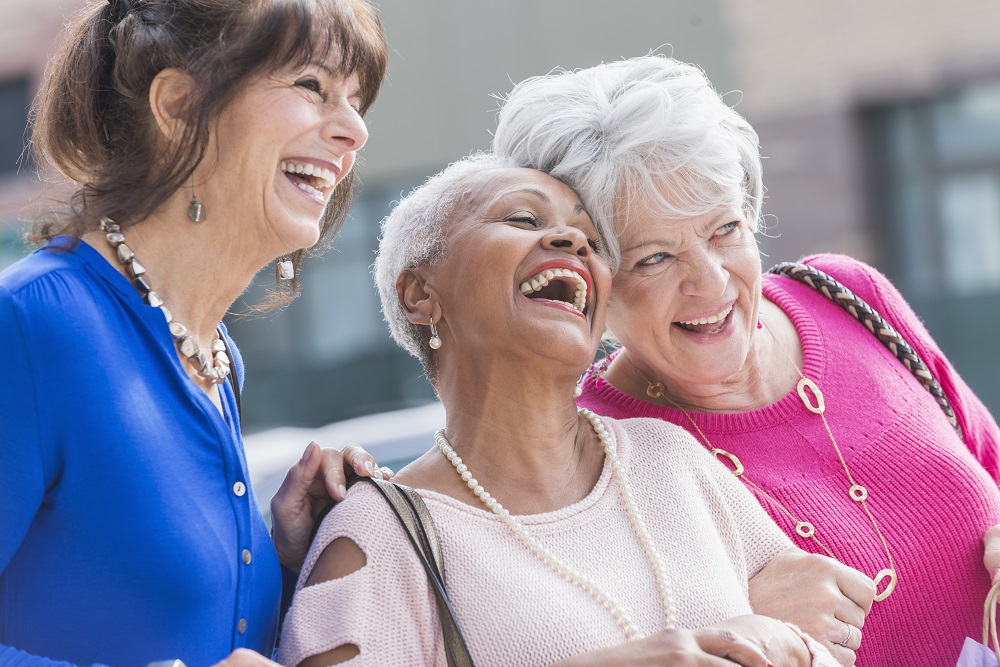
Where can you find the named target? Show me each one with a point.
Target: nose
(706, 276)
(568, 239)
(346, 128)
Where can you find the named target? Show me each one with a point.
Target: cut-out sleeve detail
(385, 608)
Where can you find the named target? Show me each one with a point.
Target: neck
(198, 269)
(520, 434)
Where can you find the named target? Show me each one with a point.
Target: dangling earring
(435, 341)
(286, 270)
(602, 368)
(196, 211)
(760, 323)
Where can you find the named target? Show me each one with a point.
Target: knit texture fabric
(933, 496)
(512, 609)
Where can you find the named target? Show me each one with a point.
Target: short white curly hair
(649, 130)
(413, 235)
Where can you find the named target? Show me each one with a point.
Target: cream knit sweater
(512, 609)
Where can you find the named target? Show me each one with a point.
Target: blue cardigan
(128, 530)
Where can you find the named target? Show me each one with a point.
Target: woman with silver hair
(562, 532)
(838, 441)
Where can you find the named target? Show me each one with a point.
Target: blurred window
(936, 191)
(15, 101)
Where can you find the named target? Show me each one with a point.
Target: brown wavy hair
(92, 122)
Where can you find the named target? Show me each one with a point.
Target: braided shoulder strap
(856, 306)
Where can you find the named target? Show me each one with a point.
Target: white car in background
(393, 438)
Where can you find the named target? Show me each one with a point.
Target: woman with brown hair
(206, 139)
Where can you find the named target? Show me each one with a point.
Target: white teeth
(539, 281)
(311, 191)
(711, 319)
(322, 178)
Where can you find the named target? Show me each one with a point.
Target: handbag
(875, 323)
(415, 518)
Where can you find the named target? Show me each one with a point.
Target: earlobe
(417, 297)
(168, 93)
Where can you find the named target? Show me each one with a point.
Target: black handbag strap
(415, 518)
(234, 381)
(832, 289)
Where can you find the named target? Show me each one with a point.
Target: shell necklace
(216, 370)
(803, 528)
(558, 565)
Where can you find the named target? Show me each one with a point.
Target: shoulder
(863, 279)
(49, 283)
(366, 519)
(654, 442)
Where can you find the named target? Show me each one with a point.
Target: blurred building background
(880, 123)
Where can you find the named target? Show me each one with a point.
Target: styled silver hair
(648, 131)
(413, 235)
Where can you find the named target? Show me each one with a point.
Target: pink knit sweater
(512, 609)
(932, 495)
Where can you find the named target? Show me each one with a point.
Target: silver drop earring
(286, 270)
(196, 211)
(435, 341)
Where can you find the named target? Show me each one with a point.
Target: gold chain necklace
(804, 529)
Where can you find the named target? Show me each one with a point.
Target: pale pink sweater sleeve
(386, 608)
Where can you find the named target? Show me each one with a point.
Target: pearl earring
(435, 341)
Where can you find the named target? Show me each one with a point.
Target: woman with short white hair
(838, 440)
(566, 538)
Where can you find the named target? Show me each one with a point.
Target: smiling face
(685, 300)
(520, 273)
(277, 151)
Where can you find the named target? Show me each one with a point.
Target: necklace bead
(216, 370)
(566, 571)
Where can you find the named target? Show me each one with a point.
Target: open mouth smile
(314, 180)
(558, 285)
(709, 324)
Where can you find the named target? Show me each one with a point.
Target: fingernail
(305, 454)
(369, 468)
(342, 490)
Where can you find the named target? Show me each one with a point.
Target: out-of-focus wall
(859, 106)
(880, 123)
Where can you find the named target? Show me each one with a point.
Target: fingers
(243, 657)
(844, 648)
(360, 462)
(728, 648)
(858, 588)
(299, 476)
(991, 556)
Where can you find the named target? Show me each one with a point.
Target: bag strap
(990, 619)
(415, 518)
(233, 380)
(856, 306)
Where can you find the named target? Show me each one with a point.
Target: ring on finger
(850, 635)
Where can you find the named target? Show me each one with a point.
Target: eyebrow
(537, 193)
(671, 244)
(336, 74)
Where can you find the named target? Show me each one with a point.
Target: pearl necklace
(805, 529)
(215, 371)
(558, 565)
